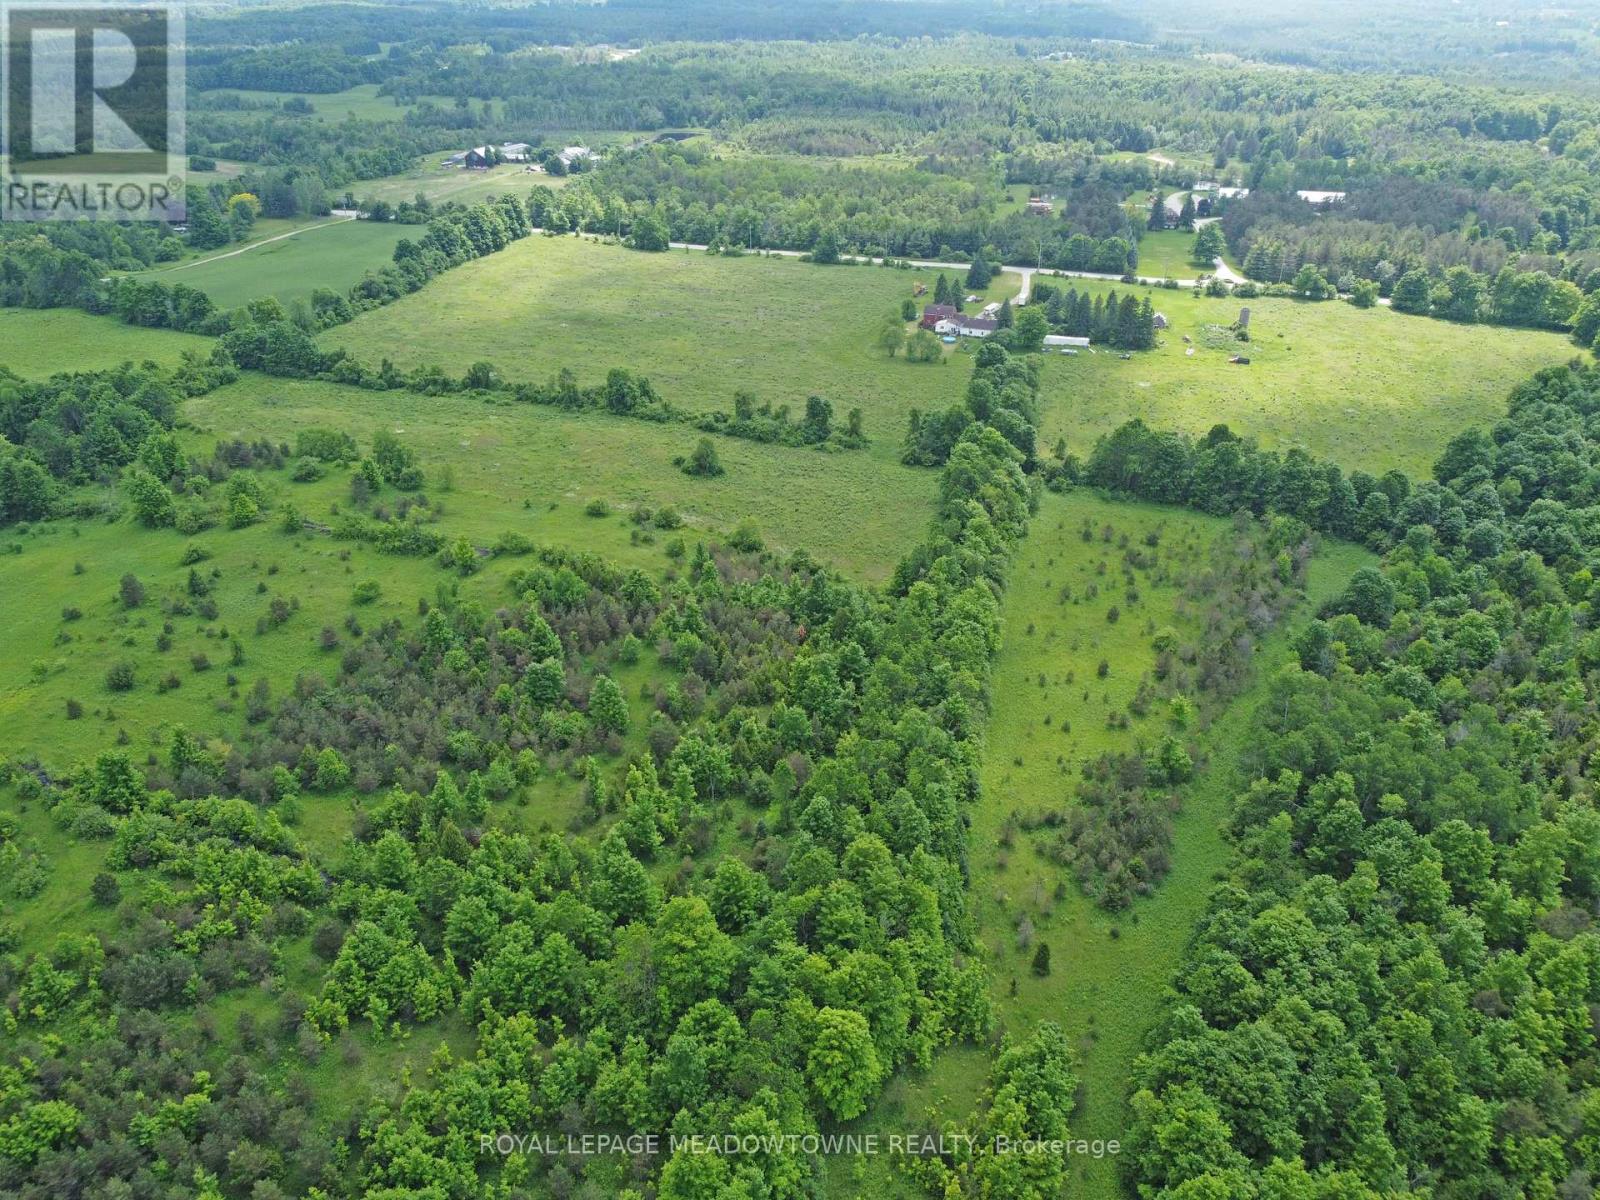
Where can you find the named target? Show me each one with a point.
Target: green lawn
(1165, 254)
(1108, 972)
(334, 255)
(700, 327)
(39, 342)
(1369, 389)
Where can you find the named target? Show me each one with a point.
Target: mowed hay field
(36, 343)
(1049, 716)
(1369, 389)
(332, 255)
(534, 470)
(700, 327)
(439, 184)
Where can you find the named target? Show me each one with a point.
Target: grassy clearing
(1369, 389)
(36, 343)
(701, 327)
(535, 469)
(334, 255)
(361, 102)
(1108, 972)
(1166, 254)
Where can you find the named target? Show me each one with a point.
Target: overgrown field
(700, 327)
(1053, 713)
(333, 255)
(1369, 389)
(39, 342)
(535, 470)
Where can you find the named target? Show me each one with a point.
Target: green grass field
(37, 342)
(332, 255)
(452, 183)
(1108, 971)
(1369, 389)
(1165, 254)
(534, 470)
(361, 102)
(700, 327)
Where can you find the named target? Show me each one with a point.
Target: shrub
(367, 591)
(120, 677)
(702, 462)
(105, 890)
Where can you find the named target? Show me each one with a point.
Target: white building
(964, 326)
(1061, 339)
(1321, 197)
(516, 151)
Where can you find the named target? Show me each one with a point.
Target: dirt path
(200, 262)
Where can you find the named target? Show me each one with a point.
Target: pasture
(1049, 717)
(332, 254)
(1370, 389)
(701, 327)
(38, 342)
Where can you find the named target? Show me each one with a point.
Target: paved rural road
(1223, 272)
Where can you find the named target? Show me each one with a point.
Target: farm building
(1321, 198)
(964, 326)
(1062, 339)
(1040, 207)
(932, 314)
(572, 154)
(516, 151)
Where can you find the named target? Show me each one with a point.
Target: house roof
(977, 323)
(939, 310)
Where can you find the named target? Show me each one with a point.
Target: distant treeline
(40, 273)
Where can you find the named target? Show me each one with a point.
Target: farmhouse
(964, 326)
(932, 314)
